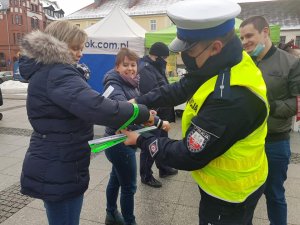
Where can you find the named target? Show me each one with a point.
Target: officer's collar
(230, 55)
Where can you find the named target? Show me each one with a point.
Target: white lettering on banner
(106, 45)
(111, 45)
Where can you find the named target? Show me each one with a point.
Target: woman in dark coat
(62, 109)
(123, 80)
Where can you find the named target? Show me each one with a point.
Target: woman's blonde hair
(66, 32)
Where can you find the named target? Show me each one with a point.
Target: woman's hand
(132, 101)
(166, 126)
(131, 137)
(150, 122)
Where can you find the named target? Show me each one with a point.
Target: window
(152, 25)
(18, 38)
(32, 7)
(282, 39)
(297, 42)
(16, 2)
(2, 60)
(14, 37)
(78, 25)
(34, 23)
(17, 19)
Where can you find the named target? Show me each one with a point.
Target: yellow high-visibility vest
(243, 168)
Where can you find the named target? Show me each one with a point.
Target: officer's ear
(216, 47)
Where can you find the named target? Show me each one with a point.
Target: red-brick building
(17, 17)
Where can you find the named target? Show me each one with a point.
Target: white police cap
(198, 20)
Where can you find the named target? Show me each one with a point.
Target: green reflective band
(136, 112)
(100, 144)
(95, 148)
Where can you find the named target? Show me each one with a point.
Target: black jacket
(225, 121)
(122, 91)
(151, 77)
(62, 109)
(281, 72)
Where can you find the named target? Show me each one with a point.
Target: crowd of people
(241, 95)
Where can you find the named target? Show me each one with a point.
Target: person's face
(250, 37)
(200, 52)
(76, 51)
(127, 68)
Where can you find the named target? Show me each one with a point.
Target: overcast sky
(70, 6)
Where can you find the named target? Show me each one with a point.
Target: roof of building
(52, 5)
(4, 4)
(47, 3)
(285, 13)
(130, 7)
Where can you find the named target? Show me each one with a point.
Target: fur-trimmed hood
(45, 49)
(39, 49)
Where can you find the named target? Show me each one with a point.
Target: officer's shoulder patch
(153, 148)
(197, 139)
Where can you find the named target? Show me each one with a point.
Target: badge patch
(153, 148)
(197, 139)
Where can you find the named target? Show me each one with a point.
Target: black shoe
(152, 182)
(1, 116)
(114, 219)
(167, 173)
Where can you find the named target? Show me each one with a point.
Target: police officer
(224, 123)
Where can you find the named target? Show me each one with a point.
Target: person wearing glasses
(224, 124)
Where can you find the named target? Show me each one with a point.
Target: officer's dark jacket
(150, 78)
(225, 120)
(62, 109)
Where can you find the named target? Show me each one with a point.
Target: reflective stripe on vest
(243, 168)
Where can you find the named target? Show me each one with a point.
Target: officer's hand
(131, 137)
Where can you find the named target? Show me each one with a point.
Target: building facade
(151, 15)
(17, 17)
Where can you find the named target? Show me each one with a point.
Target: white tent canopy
(115, 31)
(105, 39)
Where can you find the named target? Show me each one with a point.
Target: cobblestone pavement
(11, 201)
(175, 203)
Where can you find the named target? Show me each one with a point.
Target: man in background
(152, 71)
(281, 72)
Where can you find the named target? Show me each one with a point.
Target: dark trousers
(213, 211)
(123, 175)
(64, 212)
(278, 154)
(146, 161)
